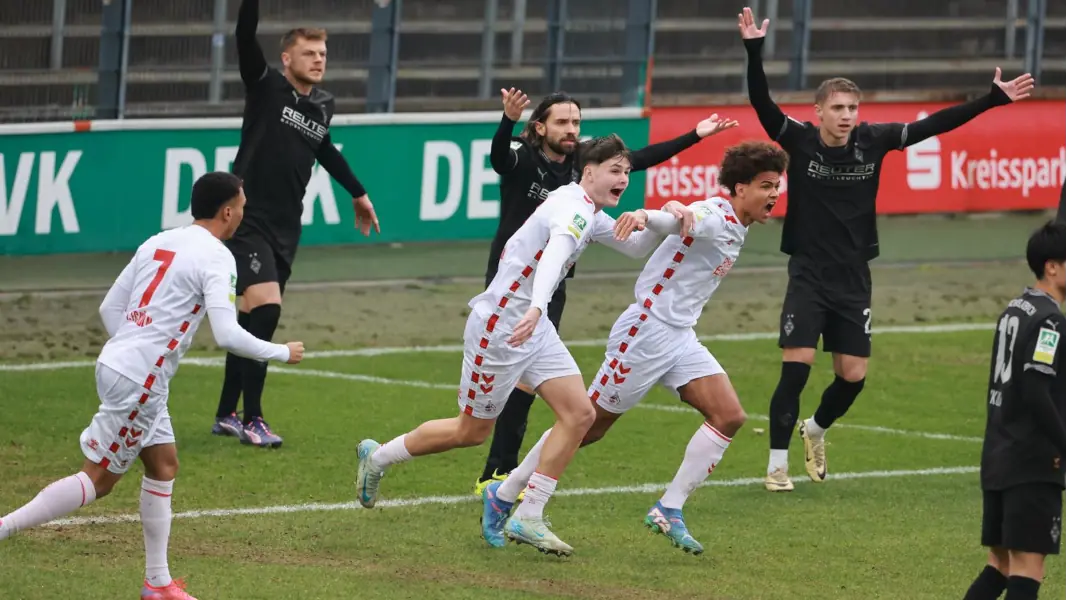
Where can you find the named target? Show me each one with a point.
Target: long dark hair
(540, 113)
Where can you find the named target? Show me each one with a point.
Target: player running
(831, 236)
(653, 341)
(151, 314)
(508, 339)
(1022, 457)
(532, 164)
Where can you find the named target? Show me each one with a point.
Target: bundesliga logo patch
(1047, 342)
(577, 225)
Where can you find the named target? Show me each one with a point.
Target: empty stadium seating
(882, 44)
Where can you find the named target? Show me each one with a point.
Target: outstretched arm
(947, 119)
(250, 58)
(654, 154)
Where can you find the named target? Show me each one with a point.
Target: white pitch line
(726, 337)
(646, 488)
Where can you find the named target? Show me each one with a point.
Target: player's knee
(999, 560)
(475, 435)
(163, 471)
(800, 355)
(854, 374)
(103, 483)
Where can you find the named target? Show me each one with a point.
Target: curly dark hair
(743, 162)
(597, 150)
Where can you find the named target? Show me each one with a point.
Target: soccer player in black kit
(1022, 470)
(532, 164)
(831, 235)
(286, 128)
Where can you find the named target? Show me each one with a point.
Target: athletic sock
(231, 381)
(704, 452)
(520, 475)
(60, 498)
(262, 321)
(155, 522)
(390, 453)
(538, 491)
(785, 403)
(508, 433)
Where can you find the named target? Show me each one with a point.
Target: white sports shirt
(683, 273)
(154, 308)
(567, 217)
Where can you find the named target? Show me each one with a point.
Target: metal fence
(62, 59)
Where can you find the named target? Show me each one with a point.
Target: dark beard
(558, 148)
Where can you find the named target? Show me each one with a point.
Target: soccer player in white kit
(653, 340)
(509, 339)
(151, 314)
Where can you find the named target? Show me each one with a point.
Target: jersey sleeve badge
(1047, 342)
(578, 225)
(233, 288)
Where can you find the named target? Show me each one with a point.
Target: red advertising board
(1009, 158)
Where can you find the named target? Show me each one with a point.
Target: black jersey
(283, 133)
(831, 213)
(1024, 437)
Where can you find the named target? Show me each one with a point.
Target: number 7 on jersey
(165, 258)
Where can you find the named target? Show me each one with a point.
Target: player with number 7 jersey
(151, 314)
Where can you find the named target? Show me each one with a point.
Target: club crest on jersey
(577, 225)
(1047, 342)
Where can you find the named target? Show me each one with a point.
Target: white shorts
(492, 368)
(129, 418)
(643, 351)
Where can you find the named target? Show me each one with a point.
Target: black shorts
(257, 261)
(1024, 518)
(831, 301)
(555, 305)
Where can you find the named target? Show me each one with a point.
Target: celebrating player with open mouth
(653, 340)
(508, 339)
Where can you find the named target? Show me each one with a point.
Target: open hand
(713, 125)
(746, 23)
(1017, 88)
(514, 103)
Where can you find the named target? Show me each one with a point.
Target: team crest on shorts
(1055, 532)
(788, 327)
(254, 264)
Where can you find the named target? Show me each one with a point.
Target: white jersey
(683, 273)
(159, 300)
(566, 211)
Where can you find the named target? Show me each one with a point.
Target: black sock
(263, 320)
(785, 403)
(231, 381)
(836, 401)
(1022, 588)
(508, 433)
(989, 585)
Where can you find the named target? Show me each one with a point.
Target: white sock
(520, 475)
(703, 453)
(155, 522)
(538, 491)
(779, 460)
(60, 498)
(813, 429)
(391, 453)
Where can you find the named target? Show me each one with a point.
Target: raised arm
(113, 307)
(654, 154)
(335, 164)
(773, 120)
(250, 58)
(503, 156)
(947, 119)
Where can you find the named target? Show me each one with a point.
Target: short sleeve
(219, 278)
(888, 136)
(1043, 352)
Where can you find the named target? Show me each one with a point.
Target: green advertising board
(110, 188)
